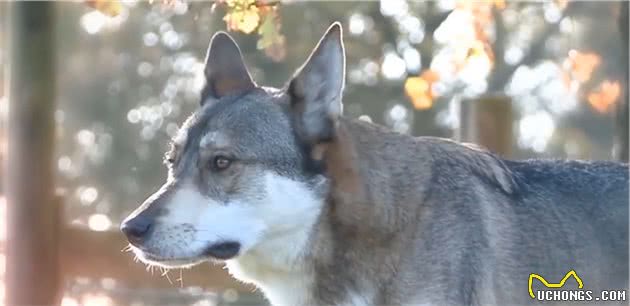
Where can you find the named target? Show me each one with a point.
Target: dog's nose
(137, 229)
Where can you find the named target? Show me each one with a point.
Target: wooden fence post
(487, 121)
(32, 276)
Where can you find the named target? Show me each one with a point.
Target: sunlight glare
(93, 22)
(552, 12)
(456, 29)
(356, 24)
(393, 67)
(535, 131)
(150, 39)
(394, 7)
(513, 55)
(99, 222)
(412, 59)
(68, 301)
(96, 300)
(86, 138)
(88, 195)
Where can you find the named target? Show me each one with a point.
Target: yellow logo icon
(549, 285)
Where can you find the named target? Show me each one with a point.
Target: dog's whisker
(165, 274)
(126, 248)
(181, 278)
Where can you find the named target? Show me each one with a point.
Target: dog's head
(241, 176)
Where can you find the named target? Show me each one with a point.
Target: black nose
(137, 229)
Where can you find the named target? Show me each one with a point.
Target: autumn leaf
(244, 19)
(419, 89)
(110, 8)
(248, 16)
(604, 96)
(270, 38)
(475, 48)
(581, 65)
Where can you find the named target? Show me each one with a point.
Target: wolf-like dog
(317, 209)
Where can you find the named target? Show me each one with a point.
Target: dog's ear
(225, 69)
(316, 89)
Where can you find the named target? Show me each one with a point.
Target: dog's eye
(221, 163)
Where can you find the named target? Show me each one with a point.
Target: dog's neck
(284, 268)
(279, 268)
(279, 265)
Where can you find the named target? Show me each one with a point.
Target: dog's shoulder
(416, 157)
(455, 158)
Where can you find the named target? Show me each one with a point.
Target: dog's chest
(284, 288)
(281, 288)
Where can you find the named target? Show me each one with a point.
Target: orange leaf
(581, 65)
(605, 96)
(418, 89)
(245, 20)
(422, 102)
(430, 76)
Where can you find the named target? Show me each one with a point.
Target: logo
(558, 293)
(550, 285)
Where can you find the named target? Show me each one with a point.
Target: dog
(318, 209)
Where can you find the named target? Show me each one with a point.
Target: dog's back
(573, 215)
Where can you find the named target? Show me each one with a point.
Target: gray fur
(449, 225)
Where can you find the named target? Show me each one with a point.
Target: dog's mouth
(151, 258)
(224, 250)
(221, 251)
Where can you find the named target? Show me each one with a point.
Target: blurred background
(92, 92)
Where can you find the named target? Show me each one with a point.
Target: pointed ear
(316, 89)
(225, 70)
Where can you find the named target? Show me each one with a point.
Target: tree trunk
(621, 142)
(32, 217)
